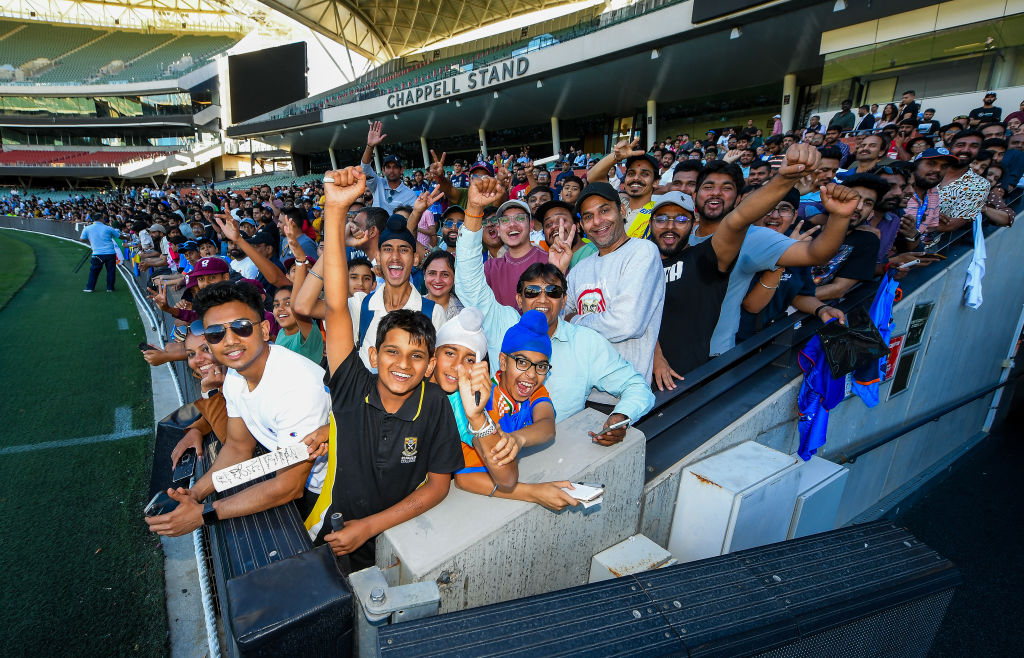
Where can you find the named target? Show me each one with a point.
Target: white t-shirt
(246, 268)
(621, 296)
(288, 404)
(355, 307)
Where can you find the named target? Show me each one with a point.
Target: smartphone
(186, 466)
(145, 347)
(613, 426)
(161, 504)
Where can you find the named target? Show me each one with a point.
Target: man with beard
(868, 154)
(389, 191)
(503, 272)
(452, 220)
(557, 217)
(832, 140)
(771, 293)
(638, 183)
(667, 165)
(698, 270)
(581, 358)
(747, 157)
(923, 204)
(809, 187)
(684, 177)
(962, 193)
(855, 260)
(758, 174)
(762, 248)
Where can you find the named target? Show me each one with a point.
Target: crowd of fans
(456, 317)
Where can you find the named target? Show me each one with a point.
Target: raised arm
(424, 201)
(444, 184)
(621, 151)
(374, 136)
(839, 202)
(728, 239)
(349, 184)
(306, 295)
(229, 227)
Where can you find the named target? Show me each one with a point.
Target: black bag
(852, 346)
(298, 606)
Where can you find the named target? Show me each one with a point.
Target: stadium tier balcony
(29, 158)
(81, 55)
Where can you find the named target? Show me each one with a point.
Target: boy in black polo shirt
(398, 444)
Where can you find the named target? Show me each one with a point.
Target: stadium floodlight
(540, 84)
(736, 33)
(458, 103)
(495, 94)
(655, 54)
(839, 6)
(395, 117)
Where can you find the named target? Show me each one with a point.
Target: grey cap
(158, 227)
(514, 203)
(675, 198)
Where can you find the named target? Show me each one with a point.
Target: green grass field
(80, 573)
(18, 263)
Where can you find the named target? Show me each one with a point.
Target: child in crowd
(400, 443)
(520, 407)
(297, 331)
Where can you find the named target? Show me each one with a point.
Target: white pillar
(426, 152)
(652, 123)
(483, 140)
(556, 138)
(788, 111)
(334, 161)
(376, 160)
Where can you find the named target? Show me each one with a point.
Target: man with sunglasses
(274, 397)
(503, 272)
(581, 359)
(451, 221)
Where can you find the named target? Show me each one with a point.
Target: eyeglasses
(451, 223)
(664, 220)
(215, 332)
(519, 219)
(490, 221)
(782, 211)
(551, 290)
(523, 365)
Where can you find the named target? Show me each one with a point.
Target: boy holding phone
(400, 445)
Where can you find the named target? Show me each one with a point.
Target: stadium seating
(79, 53)
(28, 158)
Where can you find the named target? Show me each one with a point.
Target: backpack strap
(427, 308)
(365, 318)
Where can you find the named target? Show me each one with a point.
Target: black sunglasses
(551, 290)
(215, 332)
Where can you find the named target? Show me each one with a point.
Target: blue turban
(530, 334)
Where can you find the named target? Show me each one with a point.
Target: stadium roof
(383, 29)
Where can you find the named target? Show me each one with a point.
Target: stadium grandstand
(510, 327)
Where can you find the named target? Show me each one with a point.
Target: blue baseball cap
(392, 158)
(939, 153)
(480, 164)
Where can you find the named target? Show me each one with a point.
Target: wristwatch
(486, 430)
(209, 514)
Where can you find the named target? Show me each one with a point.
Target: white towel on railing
(976, 270)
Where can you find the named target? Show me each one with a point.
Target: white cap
(675, 198)
(465, 330)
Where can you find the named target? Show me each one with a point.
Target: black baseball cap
(261, 237)
(601, 189)
(392, 158)
(555, 203)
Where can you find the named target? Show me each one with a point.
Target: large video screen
(266, 79)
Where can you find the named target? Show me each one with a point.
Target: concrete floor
(974, 517)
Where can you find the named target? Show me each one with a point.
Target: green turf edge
(87, 573)
(19, 264)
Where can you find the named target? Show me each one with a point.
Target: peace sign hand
(436, 168)
(627, 149)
